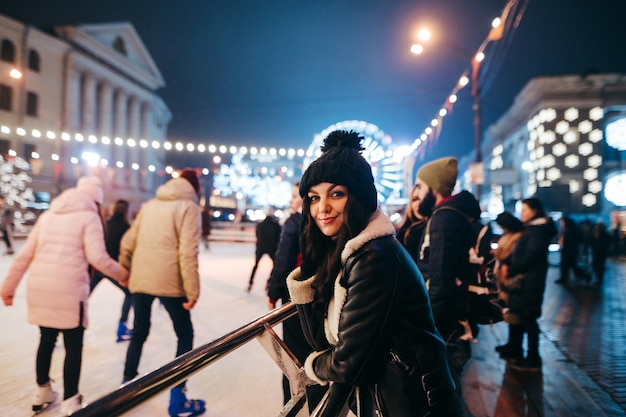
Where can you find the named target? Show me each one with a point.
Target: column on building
(119, 133)
(144, 174)
(132, 153)
(88, 103)
(65, 174)
(104, 126)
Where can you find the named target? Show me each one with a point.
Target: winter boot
(71, 405)
(180, 406)
(44, 396)
(123, 332)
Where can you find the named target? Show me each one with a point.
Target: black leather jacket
(378, 333)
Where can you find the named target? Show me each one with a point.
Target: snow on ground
(245, 383)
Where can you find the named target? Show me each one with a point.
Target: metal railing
(134, 393)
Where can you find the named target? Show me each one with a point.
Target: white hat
(93, 187)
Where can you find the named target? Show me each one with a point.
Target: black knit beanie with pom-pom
(341, 163)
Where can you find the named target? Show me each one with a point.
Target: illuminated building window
(571, 136)
(571, 114)
(585, 148)
(574, 186)
(589, 200)
(562, 127)
(615, 188)
(590, 174)
(595, 136)
(553, 174)
(595, 187)
(539, 152)
(571, 161)
(541, 175)
(549, 136)
(585, 126)
(559, 149)
(547, 115)
(595, 161)
(596, 113)
(548, 161)
(616, 134)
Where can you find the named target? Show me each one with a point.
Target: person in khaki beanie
(443, 254)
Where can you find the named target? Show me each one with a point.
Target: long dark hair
(535, 204)
(325, 252)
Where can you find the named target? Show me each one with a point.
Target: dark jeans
(128, 299)
(258, 257)
(7, 236)
(181, 319)
(73, 341)
(516, 336)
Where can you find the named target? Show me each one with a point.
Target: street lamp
(424, 35)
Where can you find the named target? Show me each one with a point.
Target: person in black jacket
(444, 257)
(529, 261)
(600, 250)
(570, 239)
(115, 228)
(361, 300)
(267, 236)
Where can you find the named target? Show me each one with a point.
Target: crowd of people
(386, 314)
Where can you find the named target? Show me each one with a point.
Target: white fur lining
(378, 226)
(301, 292)
(331, 324)
(308, 367)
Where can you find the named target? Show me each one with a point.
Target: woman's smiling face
(327, 205)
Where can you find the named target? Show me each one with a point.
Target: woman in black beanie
(361, 300)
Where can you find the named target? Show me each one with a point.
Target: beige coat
(63, 243)
(161, 246)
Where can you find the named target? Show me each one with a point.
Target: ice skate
(123, 332)
(71, 405)
(180, 406)
(44, 396)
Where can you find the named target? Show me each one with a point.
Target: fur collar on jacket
(302, 292)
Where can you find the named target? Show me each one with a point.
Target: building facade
(563, 140)
(82, 100)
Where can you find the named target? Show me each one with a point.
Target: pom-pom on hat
(92, 186)
(440, 174)
(341, 163)
(191, 176)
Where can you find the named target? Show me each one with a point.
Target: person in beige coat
(161, 251)
(63, 243)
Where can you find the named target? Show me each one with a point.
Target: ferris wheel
(387, 167)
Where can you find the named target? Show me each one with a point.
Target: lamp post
(424, 35)
(477, 170)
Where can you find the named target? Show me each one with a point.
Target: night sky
(274, 73)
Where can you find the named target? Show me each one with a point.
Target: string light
(144, 144)
(429, 133)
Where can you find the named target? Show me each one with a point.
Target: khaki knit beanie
(440, 174)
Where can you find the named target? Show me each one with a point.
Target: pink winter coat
(63, 243)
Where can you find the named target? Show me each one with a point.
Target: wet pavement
(583, 346)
